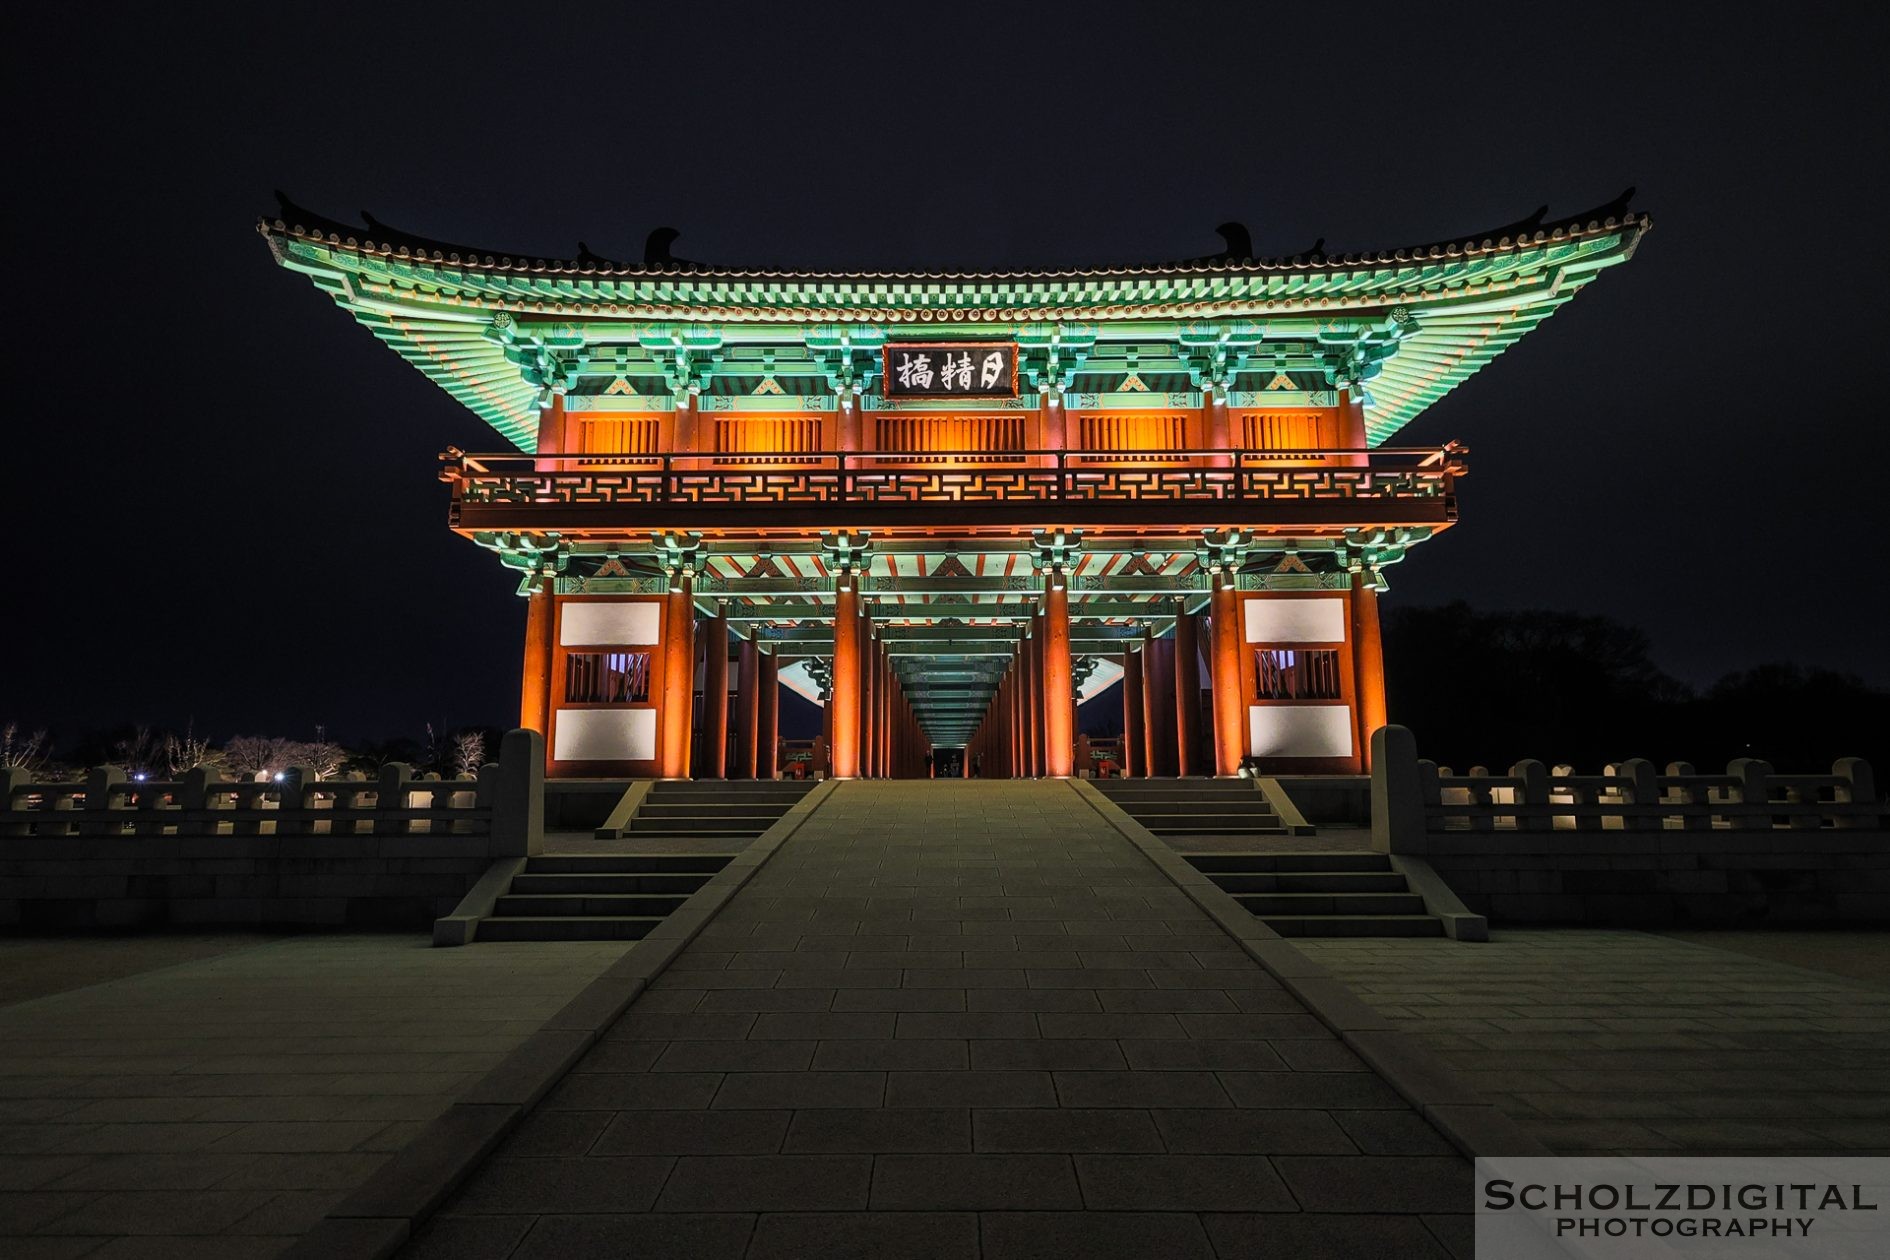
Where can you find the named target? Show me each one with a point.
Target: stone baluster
(1857, 786)
(390, 800)
(1751, 787)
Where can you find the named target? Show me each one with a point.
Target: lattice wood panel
(1297, 674)
(768, 435)
(1131, 431)
(616, 433)
(949, 434)
(1289, 430)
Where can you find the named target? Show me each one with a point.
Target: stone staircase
(686, 832)
(1321, 894)
(1177, 809)
(596, 897)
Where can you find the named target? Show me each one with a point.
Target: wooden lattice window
(1131, 431)
(766, 436)
(1288, 430)
(931, 433)
(616, 433)
(1297, 674)
(607, 678)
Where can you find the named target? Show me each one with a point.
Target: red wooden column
(534, 698)
(1188, 759)
(1230, 702)
(747, 710)
(768, 724)
(715, 696)
(1134, 722)
(1029, 695)
(1158, 678)
(888, 713)
(1059, 719)
(869, 702)
(844, 691)
(679, 682)
(1368, 663)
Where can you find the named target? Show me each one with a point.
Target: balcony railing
(895, 479)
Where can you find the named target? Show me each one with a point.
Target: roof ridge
(381, 240)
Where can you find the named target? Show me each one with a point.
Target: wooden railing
(1635, 796)
(886, 478)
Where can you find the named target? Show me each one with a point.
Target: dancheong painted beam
(949, 505)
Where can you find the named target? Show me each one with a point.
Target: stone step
(1308, 881)
(534, 882)
(1206, 820)
(625, 863)
(1219, 827)
(657, 834)
(568, 928)
(588, 905)
(1354, 924)
(1216, 863)
(735, 823)
(662, 807)
(781, 789)
(1207, 805)
(1300, 904)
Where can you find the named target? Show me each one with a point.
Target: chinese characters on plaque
(966, 369)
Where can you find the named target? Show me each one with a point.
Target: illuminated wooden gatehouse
(947, 505)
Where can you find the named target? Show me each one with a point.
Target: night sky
(219, 493)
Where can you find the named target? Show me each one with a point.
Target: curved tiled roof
(380, 240)
(1459, 302)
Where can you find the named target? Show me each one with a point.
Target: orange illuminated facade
(952, 509)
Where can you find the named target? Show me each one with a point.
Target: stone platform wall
(59, 883)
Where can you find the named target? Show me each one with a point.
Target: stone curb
(382, 1213)
(1437, 1092)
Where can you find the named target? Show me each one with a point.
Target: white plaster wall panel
(605, 735)
(1295, 620)
(1299, 730)
(603, 624)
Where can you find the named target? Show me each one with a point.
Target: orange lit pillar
(869, 702)
(534, 701)
(1368, 663)
(769, 722)
(1352, 434)
(1230, 703)
(715, 696)
(1134, 756)
(747, 710)
(679, 682)
(1188, 759)
(1059, 729)
(844, 690)
(1158, 673)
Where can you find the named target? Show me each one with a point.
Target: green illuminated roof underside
(1408, 325)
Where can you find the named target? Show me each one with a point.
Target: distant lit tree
(469, 753)
(21, 752)
(187, 752)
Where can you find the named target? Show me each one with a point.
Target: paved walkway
(1600, 1041)
(216, 1109)
(964, 1019)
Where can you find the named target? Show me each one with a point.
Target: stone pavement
(1598, 1041)
(219, 1107)
(963, 1019)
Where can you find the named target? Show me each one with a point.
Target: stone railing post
(518, 804)
(1398, 821)
(99, 782)
(14, 816)
(1857, 786)
(194, 792)
(1532, 791)
(390, 798)
(1642, 783)
(1699, 817)
(1750, 775)
(292, 802)
(1482, 817)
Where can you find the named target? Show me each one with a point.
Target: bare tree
(187, 752)
(138, 753)
(251, 755)
(19, 752)
(321, 756)
(469, 753)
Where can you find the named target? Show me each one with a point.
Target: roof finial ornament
(1238, 240)
(656, 247)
